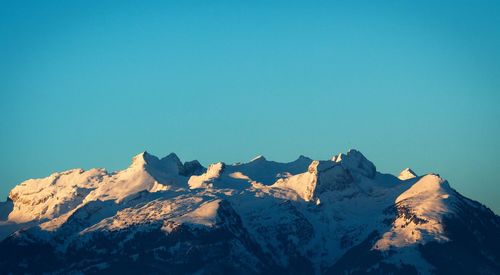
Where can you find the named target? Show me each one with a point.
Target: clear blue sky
(409, 83)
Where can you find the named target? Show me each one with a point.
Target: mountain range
(164, 216)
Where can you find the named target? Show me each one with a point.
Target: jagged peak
(407, 174)
(139, 158)
(351, 153)
(171, 157)
(356, 162)
(191, 168)
(142, 159)
(169, 164)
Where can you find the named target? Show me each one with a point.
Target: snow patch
(407, 174)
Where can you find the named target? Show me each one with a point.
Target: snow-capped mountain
(337, 216)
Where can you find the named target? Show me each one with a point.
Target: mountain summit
(336, 216)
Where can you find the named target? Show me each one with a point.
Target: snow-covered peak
(356, 163)
(142, 159)
(429, 186)
(421, 209)
(147, 172)
(407, 174)
(170, 164)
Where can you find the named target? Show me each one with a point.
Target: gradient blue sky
(409, 83)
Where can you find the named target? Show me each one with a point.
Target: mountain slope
(306, 216)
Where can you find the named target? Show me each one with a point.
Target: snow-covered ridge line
(260, 216)
(48, 198)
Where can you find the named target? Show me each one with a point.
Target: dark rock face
(5, 208)
(191, 168)
(474, 246)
